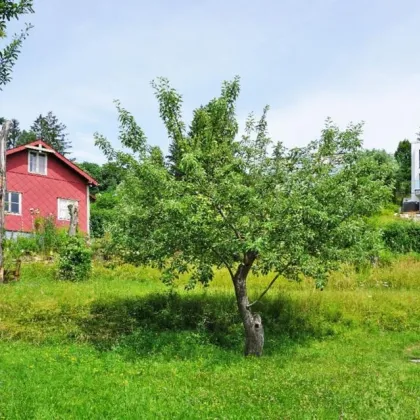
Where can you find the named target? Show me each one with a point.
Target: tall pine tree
(403, 177)
(52, 131)
(14, 134)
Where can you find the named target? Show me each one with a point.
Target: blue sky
(350, 60)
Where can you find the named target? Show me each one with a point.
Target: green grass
(386, 216)
(121, 346)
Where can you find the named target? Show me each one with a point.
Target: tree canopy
(243, 203)
(52, 131)
(17, 137)
(10, 10)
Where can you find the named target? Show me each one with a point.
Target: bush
(402, 236)
(102, 213)
(75, 262)
(22, 246)
(49, 237)
(104, 249)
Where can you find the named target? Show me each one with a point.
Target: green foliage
(14, 133)
(232, 202)
(49, 237)
(21, 246)
(17, 137)
(46, 239)
(10, 10)
(403, 176)
(102, 213)
(109, 175)
(130, 350)
(49, 129)
(26, 137)
(75, 262)
(103, 249)
(402, 236)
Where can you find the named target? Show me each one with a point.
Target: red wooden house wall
(41, 192)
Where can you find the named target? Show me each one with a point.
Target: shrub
(104, 249)
(402, 236)
(22, 246)
(75, 262)
(102, 213)
(49, 237)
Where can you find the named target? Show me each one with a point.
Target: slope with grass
(123, 346)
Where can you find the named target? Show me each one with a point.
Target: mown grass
(121, 345)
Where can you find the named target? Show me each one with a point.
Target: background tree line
(109, 175)
(45, 127)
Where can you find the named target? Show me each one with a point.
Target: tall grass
(122, 345)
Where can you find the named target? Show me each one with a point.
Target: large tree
(14, 134)
(108, 175)
(10, 10)
(403, 177)
(52, 131)
(26, 137)
(245, 204)
(17, 137)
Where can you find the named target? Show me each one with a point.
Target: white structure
(415, 171)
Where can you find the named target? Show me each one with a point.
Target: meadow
(122, 345)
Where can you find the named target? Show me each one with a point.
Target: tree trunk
(254, 331)
(3, 139)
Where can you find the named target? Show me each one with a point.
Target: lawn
(123, 346)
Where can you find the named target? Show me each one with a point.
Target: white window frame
(37, 162)
(68, 202)
(9, 202)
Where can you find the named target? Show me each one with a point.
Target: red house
(42, 182)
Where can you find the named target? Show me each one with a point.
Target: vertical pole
(88, 211)
(3, 138)
(74, 219)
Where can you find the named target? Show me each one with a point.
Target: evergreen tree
(25, 137)
(52, 131)
(14, 134)
(403, 177)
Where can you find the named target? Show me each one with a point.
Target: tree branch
(271, 284)
(224, 262)
(220, 211)
(265, 291)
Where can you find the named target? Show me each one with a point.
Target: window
(63, 212)
(38, 163)
(13, 203)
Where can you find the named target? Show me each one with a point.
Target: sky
(308, 59)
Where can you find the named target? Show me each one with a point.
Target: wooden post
(74, 219)
(3, 139)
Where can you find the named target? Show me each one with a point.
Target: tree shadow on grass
(185, 326)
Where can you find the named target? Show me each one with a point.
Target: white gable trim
(40, 148)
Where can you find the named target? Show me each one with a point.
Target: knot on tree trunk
(254, 332)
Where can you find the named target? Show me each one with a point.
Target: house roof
(41, 145)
